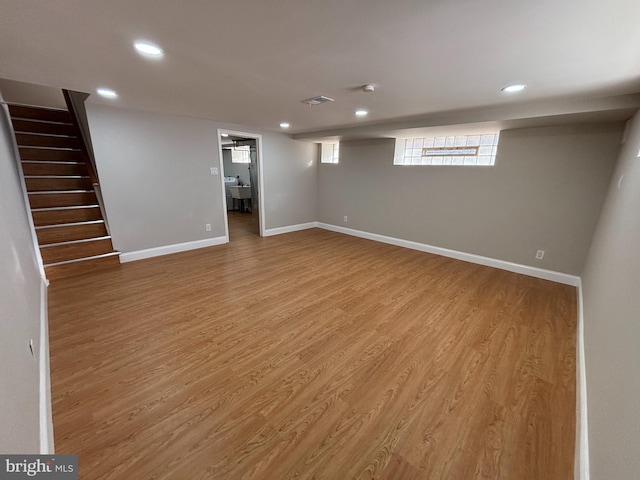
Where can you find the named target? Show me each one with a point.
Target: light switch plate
(214, 170)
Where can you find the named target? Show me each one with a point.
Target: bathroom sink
(240, 192)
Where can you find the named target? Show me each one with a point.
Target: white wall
(154, 172)
(154, 175)
(20, 309)
(612, 323)
(290, 180)
(544, 192)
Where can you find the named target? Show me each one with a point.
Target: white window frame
(465, 150)
(241, 154)
(330, 152)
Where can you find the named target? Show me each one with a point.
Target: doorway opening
(241, 174)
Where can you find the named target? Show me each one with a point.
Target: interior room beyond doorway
(239, 156)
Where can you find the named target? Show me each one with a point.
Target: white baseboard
(168, 249)
(289, 228)
(581, 468)
(551, 275)
(46, 416)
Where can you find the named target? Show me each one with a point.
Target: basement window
(463, 150)
(241, 154)
(330, 152)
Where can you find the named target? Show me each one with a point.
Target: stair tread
(58, 225)
(56, 176)
(47, 141)
(70, 231)
(53, 169)
(21, 125)
(65, 215)
(69, 207)
(61, 184)
(35, 154)
(68, 198)
(37, 113)
(75, 242)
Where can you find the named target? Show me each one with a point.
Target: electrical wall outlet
(214, 170)
(539, 254)
(207, 227)
(346, 219)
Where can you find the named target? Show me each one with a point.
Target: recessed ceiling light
(285, 125)
(224, 134)
(514, 88)
(107, 93)
(361, 113)
(148, 49)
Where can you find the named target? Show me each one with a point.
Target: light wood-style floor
(313, 355)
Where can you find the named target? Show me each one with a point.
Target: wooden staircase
(60, 183)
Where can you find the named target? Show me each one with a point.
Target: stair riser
(57, 217)
(49, 200)
(26, 126)
(29, 140)
(79, 268)
(57, 184)
(70, 233)
(60, 116)
(27, 153)
(73, 251)
(54, 169)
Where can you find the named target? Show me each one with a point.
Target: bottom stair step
(82, 266)
(62, 252)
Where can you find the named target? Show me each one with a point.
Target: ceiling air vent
(317, 100)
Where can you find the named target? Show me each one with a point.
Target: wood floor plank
(313, 355)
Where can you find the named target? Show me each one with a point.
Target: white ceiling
(252, 62)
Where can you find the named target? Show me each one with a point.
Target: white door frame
(258, 138)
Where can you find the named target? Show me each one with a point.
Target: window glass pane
(240, 154)
(447, 150)
(473, 140)
(487, 139)
(329, 152)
